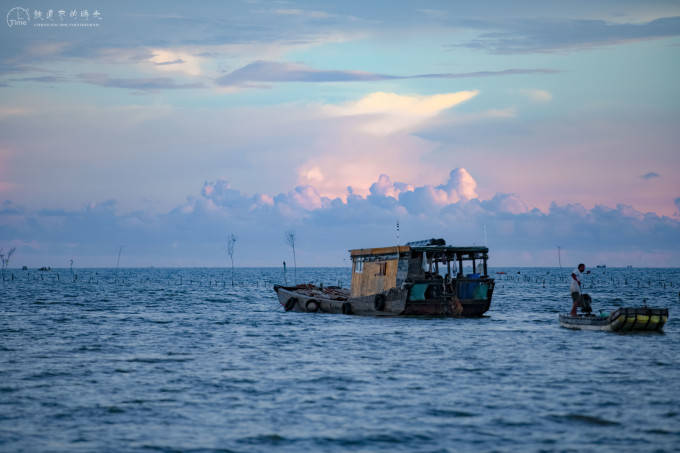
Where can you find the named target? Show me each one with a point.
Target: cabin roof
(380, 250)
(437, 246)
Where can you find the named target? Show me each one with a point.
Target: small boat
(627, 319)
(312, 298)
(403, 280)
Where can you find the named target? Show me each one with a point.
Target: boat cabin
(420, 263)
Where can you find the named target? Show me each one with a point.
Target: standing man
(576, 276)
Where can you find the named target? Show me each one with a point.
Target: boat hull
(305, 299)
(627, 319)
(293, 299)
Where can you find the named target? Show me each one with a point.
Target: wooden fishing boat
(403, 280)
(628, 319)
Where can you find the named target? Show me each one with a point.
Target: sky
(164, 126)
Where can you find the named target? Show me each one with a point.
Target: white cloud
(386, 188)
(536, 95)
(6, 112)
(387, 113)
(345, 156)
(312, 175)
(460, 185)
(301, 12)
(326, 227)
(173, 60)
(366, 138)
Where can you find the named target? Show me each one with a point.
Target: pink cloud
(193, 231)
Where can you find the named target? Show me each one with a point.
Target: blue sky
(163, 126)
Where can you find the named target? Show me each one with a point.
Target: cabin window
(383, 269)
(359, 266)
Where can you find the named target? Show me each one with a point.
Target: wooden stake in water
(231, 242)
(120, 250)
(290, 239)
(5, 260)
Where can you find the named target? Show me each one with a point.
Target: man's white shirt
(574, 284)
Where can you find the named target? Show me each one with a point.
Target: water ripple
(179, 360)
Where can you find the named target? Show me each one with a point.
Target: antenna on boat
(559, 256)
(486, 242)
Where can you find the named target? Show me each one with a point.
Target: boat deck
(328, 292)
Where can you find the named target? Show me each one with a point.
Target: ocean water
(181, 360)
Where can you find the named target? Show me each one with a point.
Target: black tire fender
(290, 304)
(346, 308)
(379, 302)
(312, 306)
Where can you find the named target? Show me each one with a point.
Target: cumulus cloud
(372, 136)
(384, 187)
(348, 156)
(192, 233)
(293, 203)
(459, 187)
(221, 194)
(460, 183)
(506, 203)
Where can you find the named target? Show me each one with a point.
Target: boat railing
(475, 288)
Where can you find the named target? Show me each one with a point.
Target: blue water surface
(181, 360)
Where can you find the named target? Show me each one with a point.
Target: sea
(203, 360)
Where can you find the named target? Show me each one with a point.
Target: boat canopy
(431, 251)
(449, 253)
(436, 249)
(438, 252)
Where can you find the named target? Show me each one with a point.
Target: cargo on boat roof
(439, 252)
